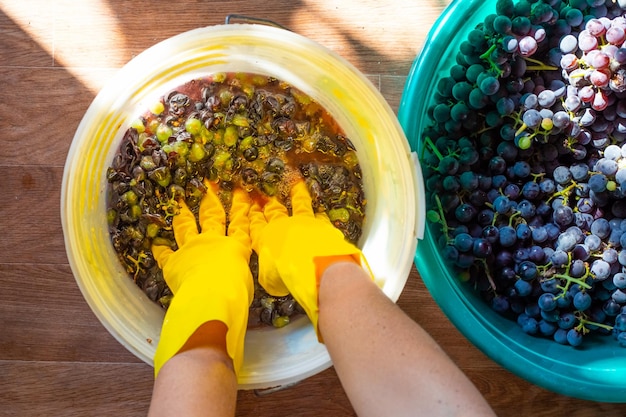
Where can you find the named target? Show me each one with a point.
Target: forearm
(199, 380)
(388, 365)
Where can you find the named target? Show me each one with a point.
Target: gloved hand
(209, 275)
(294, 250)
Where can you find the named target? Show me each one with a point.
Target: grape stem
(539, 66)
(487, 56)
(583, 322)
(571, 280)
(142, 256)
(444, 224)
(432, 146)
(565, 193)
(489, 277)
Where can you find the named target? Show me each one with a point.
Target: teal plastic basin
(597, 370)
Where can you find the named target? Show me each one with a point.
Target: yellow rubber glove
(294, 250)
(209, 275)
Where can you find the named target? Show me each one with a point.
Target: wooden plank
(45, 318)
(71, 389)
(31, 225)
(41, 110)
(377, 38)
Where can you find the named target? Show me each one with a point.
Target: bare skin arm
(199, 380)
(387, 364)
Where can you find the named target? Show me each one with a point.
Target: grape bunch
(525, 165)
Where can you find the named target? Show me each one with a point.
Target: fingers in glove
(239, 226)
(301, 203)
(257, 224)
(212, 215)
(161, 254)
(184, 224)
(274, 209)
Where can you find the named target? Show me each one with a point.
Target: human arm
(387, 364)
(199, 380)
(202, 337)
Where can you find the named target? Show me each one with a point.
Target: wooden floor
(56, 359)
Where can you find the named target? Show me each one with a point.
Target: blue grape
(551, 316)
(505, 106)
(512, 191)
(465, 212)
(601, 228)
(609, 255)
(539, 234)
(530, 326)
(463, 242)
(547, 186)
(567, 321)
(563, 215)
(613, 152)
(450, 253)
(561, 119)
(502, 204)
(468, 180)
(577, 268)
(523, 232)
(481, 248)
(508, 236)
(531, 190)
(582, 300)
(611, 308)
(580, 171)
(620, 322)
(560, 336)
(600, 269)
(546, 328)
(619, 280)
(606, 166)
(565, 300)
(526, 209)
(531, 118)
(527, 270)
(491, 233)
(619, 296)
(547, 302)
(593, 242)
(500, 304)
(562, 175)
(559, 258)
(574, 337)
(581, 251)
(523, 288)
(521, 169)
(546, 98)
(597, 183)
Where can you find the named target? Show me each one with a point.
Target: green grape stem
(565, 193)
(444, 224)
(571, 280)
(538, 65)
(432, 146)
(583, 322)
(489, 277)
(487, 57)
